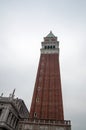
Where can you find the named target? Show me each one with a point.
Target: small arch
(0, 112)
(53, 47)
(48, 47)
(45, 47)
(37, 99)
(35, 114)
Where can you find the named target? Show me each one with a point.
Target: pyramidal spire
(50, 34)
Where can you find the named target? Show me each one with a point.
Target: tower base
(44, 125)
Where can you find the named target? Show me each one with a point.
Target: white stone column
(9, 118)
(15, 120)
(5, 113)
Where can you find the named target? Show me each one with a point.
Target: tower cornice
(49, 51)
(50, 45)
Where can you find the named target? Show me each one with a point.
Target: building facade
(12, 110)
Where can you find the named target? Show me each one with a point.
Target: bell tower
(47, 97)
(46, 112)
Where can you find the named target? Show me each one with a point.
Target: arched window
(48, 47)
(37, 99)
(53, 47)
(45, 47)
(0, 112)
(35, 114)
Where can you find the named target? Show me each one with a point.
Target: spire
(50, 34)
(1, 95)
(12, 94)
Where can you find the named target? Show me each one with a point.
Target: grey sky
(23, 24)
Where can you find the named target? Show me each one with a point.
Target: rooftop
(50, 34)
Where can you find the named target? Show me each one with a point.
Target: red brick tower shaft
(47, 97)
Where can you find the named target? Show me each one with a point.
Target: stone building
(12, 110)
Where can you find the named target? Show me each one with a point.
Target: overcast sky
(23, 24)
